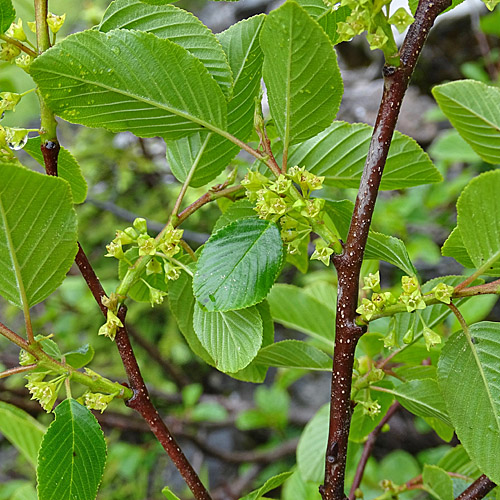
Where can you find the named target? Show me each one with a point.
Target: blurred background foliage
(237, 434)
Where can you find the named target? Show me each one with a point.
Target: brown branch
(17, 369)
(478, 489)
(368, 448)
(348, 264)
(142, 404)
(19, 45)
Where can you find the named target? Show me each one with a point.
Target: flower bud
(55, 22)
(16, 31)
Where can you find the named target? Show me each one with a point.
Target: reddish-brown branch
(50, 152)
(348, 264)
(142, 404)
(368, 448)
(478, 489)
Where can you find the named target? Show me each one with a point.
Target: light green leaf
(231, 338)
(451, 148)
(25, 492)
(240, 209)
(238, 265)
(437, 482)
(295, 487)
(308, 314)
(422, 398)
(473, 108)
(294, 354)
(22, 430)
(300, 72)
(7, 15)
(468, 375)
(457, 460)
(168, 494)
(80, 357)
(176, 25)
(379, 246)
(67, 168)
(241, 44)
(477, 219)
(311, 449)
(339, 153)
(269, 485)
(72, 456)
(129, 80)
(38, 232)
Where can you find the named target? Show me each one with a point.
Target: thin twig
(348, 264)
(478, 489)
(16, 370)
(13, 337)
(19, 45)
(368, 448)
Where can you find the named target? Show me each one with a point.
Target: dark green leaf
(67, 168)
(238, 265)
(7, 15)
(240, 209)
(38, 232)
(129, 80)
(72, 456)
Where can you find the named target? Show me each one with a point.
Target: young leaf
(308, 314)
(7, 15)
(22, 430)
(129, 80)
(468, 374)
(176, 25)
(300, 72)
(294, 354)
(231, 338)
(238, 265)
(241, 44)
(67, 168)
(473, 108)
(269, 485)
(80, 357)
(38, 233)
(478, 221)
(437, 482)
(72, 456)
(339, 153)
(168, 494)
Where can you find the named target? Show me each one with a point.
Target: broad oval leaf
(67, 168)
(437, 482)
(7, 15)
(129, 80)
(231, 338)
(22, 430)
(294, 354)
(38, 234)
(478, 221)
(241, 44)
(175, 24)
(72, 456)
(301, 74)
(238, 265)
(339, 154)
(468, 376)
(473, 108)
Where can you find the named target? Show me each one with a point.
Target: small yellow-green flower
(322, 252)
(431, 338)
(16, 31)
(443, 292)
(55, 22)
(372, 282)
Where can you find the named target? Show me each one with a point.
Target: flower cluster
(379, 300)
(287, 200)
(96, 400)
(45, 392)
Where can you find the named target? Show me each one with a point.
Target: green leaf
(327, 17)
(300, 72)
(168, 494)
(473, 108)
(181, 301)
(231, 338)
(295, 487)
(22, 430)
(308, 314)
(339, 153)
(269, 485)
(176, 25)
(238, 265)
(468, 374)
(72, 456)
(294, 354)
(437, 482)
(457, 460)
(451, 148)
(241, 44)
(7, 15)
(422, 398)
(38, 232)
(80, 357)
(379, 246)
(477, 219)
(67, 168)
(24, 492)
(240, 209)
(311, 449)
(129, 80)
(413, 5)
